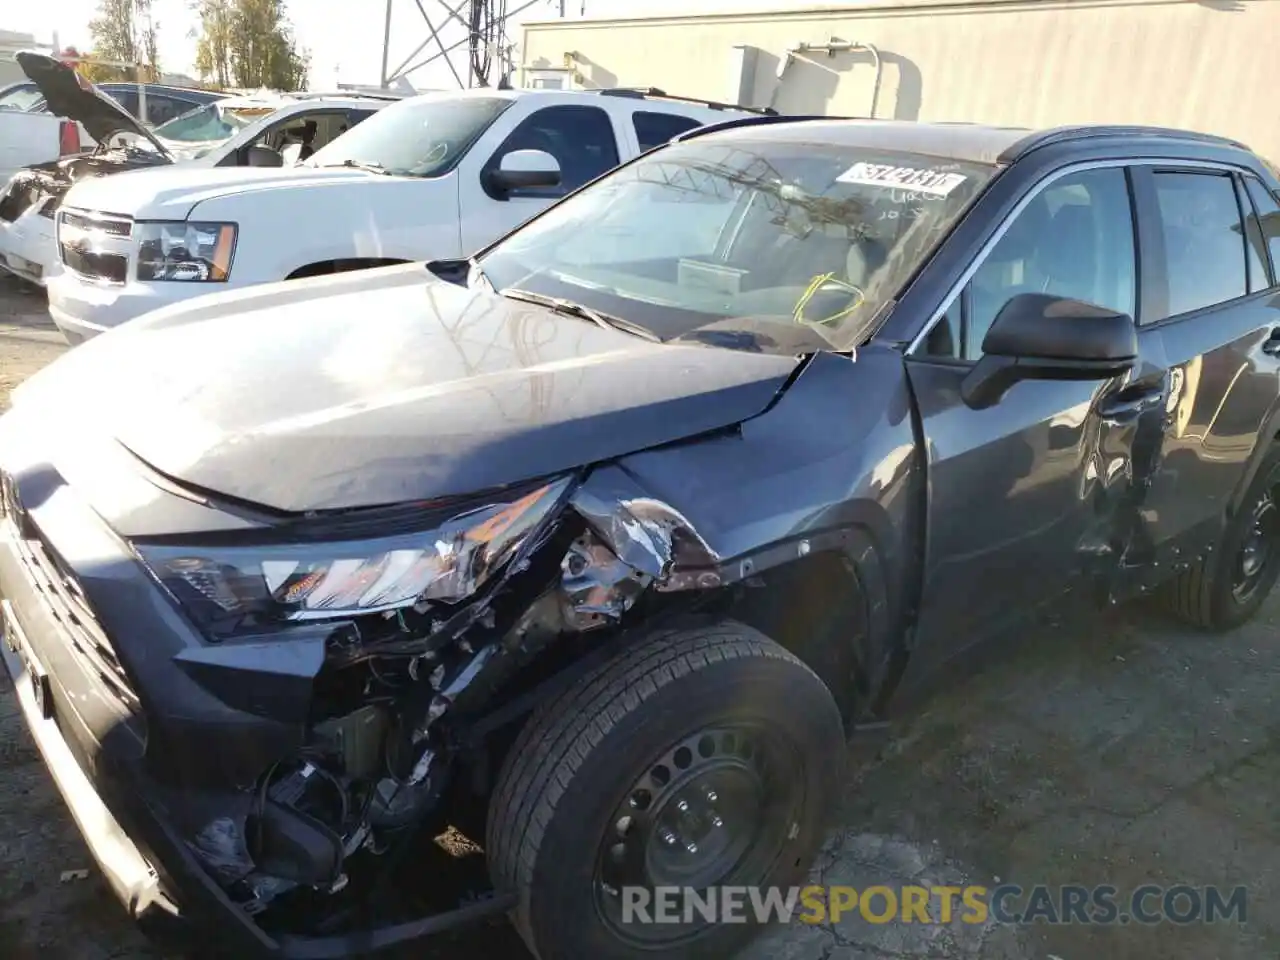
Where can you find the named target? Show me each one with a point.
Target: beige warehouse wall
(1209, 65)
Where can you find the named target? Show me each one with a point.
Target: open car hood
(69, 95)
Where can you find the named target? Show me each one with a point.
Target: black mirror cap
(1045, 327)
(504, 181)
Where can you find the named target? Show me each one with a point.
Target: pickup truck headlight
(226, 587)
(191, 252)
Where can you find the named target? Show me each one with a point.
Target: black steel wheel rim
(716, 809)
(1256, 559)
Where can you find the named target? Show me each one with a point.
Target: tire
(712, 706)
(1215, 592)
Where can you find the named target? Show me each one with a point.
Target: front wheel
(697, 759)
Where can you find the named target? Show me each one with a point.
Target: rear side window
(126, 96)
(162, 108)
(1204, 240)
(655, 129)
(1268, 211)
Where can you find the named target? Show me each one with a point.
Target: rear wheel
(1227, 587)
(701, 758)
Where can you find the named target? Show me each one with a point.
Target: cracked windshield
(741, 230)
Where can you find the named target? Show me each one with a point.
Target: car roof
(640, 99)
(969, 142)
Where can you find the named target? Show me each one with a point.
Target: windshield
(721, 230)
(422, 137)
(211, 122)
(21, 96)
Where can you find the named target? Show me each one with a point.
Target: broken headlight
(184, 251)
(227, 586)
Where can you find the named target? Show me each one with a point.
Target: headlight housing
(185, 251)
(225, 589)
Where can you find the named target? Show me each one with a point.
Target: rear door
(1220, 326)
(581, 137)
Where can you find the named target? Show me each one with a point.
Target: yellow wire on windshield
(816, 284)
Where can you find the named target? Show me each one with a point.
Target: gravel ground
(1119, 751)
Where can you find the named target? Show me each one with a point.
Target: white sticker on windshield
(934, 182)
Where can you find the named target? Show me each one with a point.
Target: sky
(344, 37)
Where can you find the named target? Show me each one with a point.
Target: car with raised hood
(218, 131)
(593, 548)
(431, 176)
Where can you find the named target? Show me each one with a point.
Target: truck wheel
(1226, 588)
(697, 758)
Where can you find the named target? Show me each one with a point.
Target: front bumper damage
(159, 739)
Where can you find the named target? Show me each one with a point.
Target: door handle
(1133, 400)
(1271, 345)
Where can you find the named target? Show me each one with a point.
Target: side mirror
(261, 156)
(1036, 336)
(522, 169)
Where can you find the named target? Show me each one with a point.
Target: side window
(1073, 239)
(580, 138)
(161, 108)
(1204, 240)
(126, 96)
(655, 129)
(1268, 218)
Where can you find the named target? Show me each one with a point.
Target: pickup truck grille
(95, 246)
(65, 598)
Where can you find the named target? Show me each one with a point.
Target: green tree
(123, 31)
(249, 43)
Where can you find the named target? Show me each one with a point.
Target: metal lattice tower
(470, 36)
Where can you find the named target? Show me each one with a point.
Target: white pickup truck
(436, 176)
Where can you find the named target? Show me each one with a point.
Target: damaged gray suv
(586, 554)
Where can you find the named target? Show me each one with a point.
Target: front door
(582, 140)
(1035, 496)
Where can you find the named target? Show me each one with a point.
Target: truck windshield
(711, 231)
(422, 137)
(214, 122)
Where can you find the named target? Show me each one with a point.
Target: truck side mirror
(523, 169)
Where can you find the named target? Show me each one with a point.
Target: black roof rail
(756, 121)
(1067, 134)
(645, 93)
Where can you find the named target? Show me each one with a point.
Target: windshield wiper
(570, 309)
(371, 166)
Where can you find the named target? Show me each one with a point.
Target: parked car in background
(265, 129)
(227, 131)
(152, 103)
(51, 122)
(594, 545)
(19, 96)
(428, 177)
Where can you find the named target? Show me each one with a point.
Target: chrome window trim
(1084, 166)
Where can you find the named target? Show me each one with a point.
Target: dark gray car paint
(952, 521)
(375, 388)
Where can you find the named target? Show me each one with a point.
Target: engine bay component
(290, 836)
(358, 739)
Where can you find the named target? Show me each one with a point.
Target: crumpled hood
(384, 386)
(173, 192)
(69, 95)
